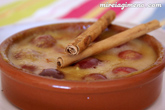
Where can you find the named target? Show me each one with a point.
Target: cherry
(52, 73)
(94, 76)
(130, 54)
(44, 41)
(88, 63)
(123, 70)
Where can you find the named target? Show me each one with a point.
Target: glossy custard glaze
(37, 54)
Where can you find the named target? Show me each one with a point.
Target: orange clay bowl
(32, 92)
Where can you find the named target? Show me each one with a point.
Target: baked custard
(37, 54)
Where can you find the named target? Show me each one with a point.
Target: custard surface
(32, 55)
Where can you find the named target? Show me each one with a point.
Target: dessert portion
(37, 54)
(85, 52)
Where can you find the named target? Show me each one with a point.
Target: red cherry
(44, 41)
(88, 63)
(52, 73)
(130, 54)
(94, 76)
(123, 70)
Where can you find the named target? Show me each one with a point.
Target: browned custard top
(37, 54)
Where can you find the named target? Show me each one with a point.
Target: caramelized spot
(59, 48)
(48, 60)
(30, 68)
(27, 53)
(121, 45)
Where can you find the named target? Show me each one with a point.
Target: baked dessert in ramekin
(117, 79)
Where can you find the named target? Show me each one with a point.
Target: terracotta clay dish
(126, 77)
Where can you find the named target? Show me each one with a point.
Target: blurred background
(31, 11)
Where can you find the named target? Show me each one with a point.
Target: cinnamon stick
(110, 42)
(84, 39)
